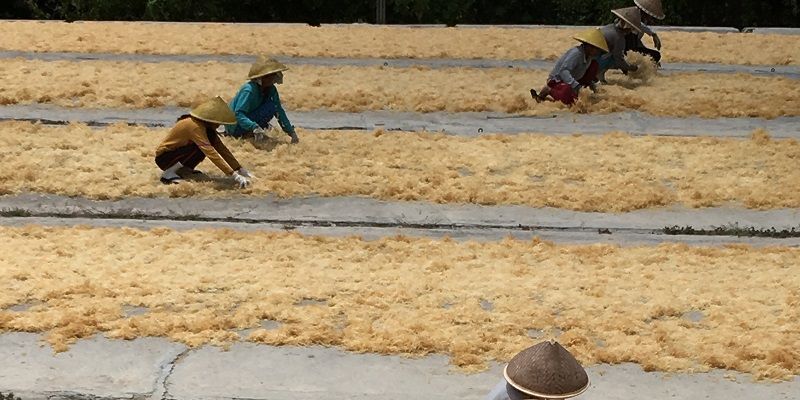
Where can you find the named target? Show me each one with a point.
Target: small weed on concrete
(734, 230)
(11, 213)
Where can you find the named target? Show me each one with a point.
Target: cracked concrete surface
(153, 368)
(464, 124)
(372, 219)
(98, 368)
(161, 389)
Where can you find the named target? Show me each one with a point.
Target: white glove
(245, 173)
(242, 181)
(259, 134)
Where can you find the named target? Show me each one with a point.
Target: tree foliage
(735, 13)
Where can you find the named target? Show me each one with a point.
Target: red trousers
(564, 93)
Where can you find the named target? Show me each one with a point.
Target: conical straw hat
(652, 7)
(265, 66)
(631, 15)
(215, 111)
(593, 37)
(547, 370)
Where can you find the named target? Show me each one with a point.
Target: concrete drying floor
(374, 219)
(151, 368)
(467, 124)
(763, 70)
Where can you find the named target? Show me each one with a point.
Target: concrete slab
(129, 57)
(463, 124)
(362, 210)
(263, 372)
(563, 123)
(762, 70)
(313, 373)
(343, 216)
(109, 369)
(94, 367)
(50, 114)
(772, 31)
(565, 236)
(629, 381)
(769, 70)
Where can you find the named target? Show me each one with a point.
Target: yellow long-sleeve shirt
(189, 130)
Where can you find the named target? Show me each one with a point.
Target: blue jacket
(249, 98)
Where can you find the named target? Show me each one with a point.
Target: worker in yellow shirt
(193, 139)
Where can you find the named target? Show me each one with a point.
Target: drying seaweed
(105, 84)
(410, 296)
(373, 41)
(614, 172)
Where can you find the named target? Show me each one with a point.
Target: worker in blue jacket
(258, 102)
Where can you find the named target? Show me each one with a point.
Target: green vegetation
(736, 13)
(734, 230)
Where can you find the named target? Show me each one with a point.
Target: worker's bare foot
(536, 96)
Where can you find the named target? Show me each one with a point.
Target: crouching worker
(575, 69)
(193, 139)
(629, 20)
(650, 10)
(258, 102)
(544, 371)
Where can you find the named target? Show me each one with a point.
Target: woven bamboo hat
(593, 37)
(652, 7)
(265, 66)
(215, 111)
(547, 370)
(631, 15)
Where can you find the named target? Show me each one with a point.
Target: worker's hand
(657, 41)
(245, 173)
(294, 137)
(593, 87)
(259, 134)
(242, 181)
